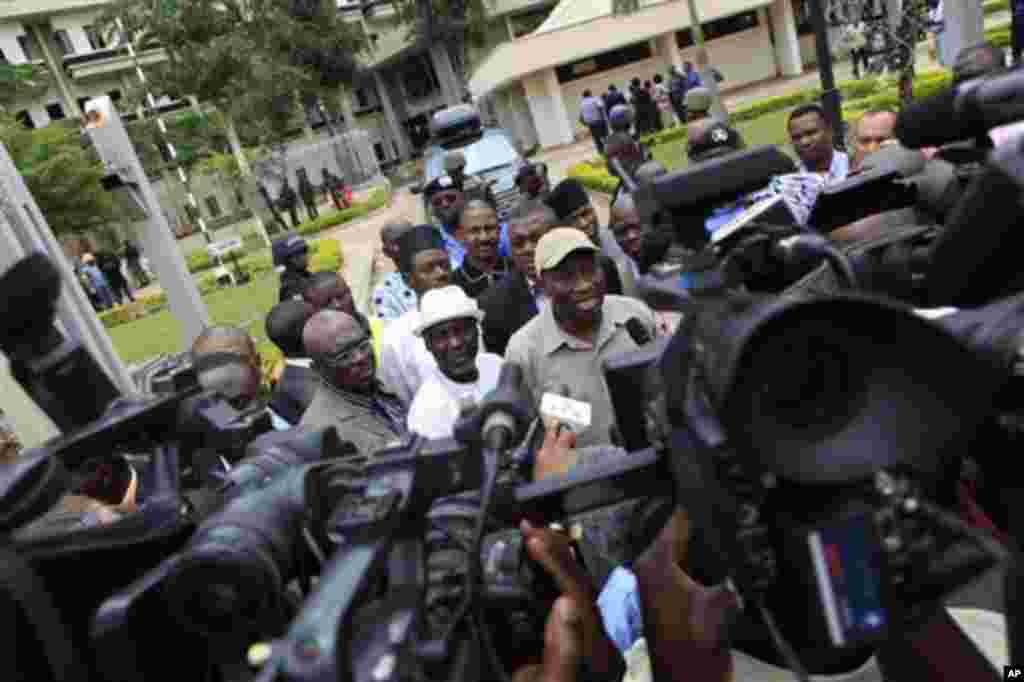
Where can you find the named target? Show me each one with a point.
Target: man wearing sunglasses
(350, 396)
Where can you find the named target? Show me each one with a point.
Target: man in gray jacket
(349, 397)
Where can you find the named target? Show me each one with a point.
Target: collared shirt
(405, 360)
(475, 281)
(555, 362)
(438, 403)
(369, 421)
(837, 171)
(393, 297)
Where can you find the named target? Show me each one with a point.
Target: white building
(538, 80)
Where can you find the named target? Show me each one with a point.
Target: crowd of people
(553, 291)
(104, 275)
(654, 104)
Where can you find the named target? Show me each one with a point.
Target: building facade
(538, 80)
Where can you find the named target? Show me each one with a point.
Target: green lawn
(767, 129)
(161, 332)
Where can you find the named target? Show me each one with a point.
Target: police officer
(292, 253)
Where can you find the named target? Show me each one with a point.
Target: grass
(766, 129)
(161, 333)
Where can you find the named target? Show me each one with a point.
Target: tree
(246, 57)
(64, 181)
(456, 23)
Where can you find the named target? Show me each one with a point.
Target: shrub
(998, 35)
(198, 260)
(377, 198)
(995, 6)
(594, 176)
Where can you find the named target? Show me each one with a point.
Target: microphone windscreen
(906, 162)
(932, 122)
(28, 297)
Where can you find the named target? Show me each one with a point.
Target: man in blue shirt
(811, 135)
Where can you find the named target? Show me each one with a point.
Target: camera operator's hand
(682, 618)
(557, 455)
(574, 634)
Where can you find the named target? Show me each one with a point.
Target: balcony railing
(108, 60)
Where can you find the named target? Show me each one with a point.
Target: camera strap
(26, 588)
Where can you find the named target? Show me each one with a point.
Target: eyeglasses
(348, 354)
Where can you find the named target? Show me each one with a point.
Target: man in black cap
(297, 383)
(572, 206)
(292, 253)
(446, 202)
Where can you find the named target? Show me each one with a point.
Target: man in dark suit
(298, 383)
(515, 300)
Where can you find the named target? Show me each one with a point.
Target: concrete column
(394, 125)
(445, 74)
(787, 43)
(964, 27)
(547, 107)
(668, 48)
(60, 77)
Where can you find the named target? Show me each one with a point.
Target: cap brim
(556, 258)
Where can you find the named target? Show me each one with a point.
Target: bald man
(875, 128)
(243, 390)
(350, 396)
(624, 224)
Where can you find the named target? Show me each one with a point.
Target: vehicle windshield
(490, 151)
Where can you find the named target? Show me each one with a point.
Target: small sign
(224, 247)
(1012, 672)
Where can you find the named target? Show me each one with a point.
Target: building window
(96, 40)
(604, 62)
(720, 28)
(63, 42)
(362, 98)
(28, 48)
(378, 149)
(25, 119)
(55, 111)
(802, 15)
(213, 207)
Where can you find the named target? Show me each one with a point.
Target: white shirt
(404, 359)
(439, 401)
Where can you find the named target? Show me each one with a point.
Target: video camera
(162, 435)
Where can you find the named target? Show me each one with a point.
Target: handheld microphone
(967, 111)
(60, 376)
(505, 413)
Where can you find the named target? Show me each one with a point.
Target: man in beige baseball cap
(561, 350)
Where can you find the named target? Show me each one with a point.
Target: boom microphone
(967, 111)
(48, 366)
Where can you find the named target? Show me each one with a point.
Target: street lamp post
(830, 96)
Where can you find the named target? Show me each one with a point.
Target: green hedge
(995, 6)
(326, 256)
(594, 175)
(378, 197)
(998, 35)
